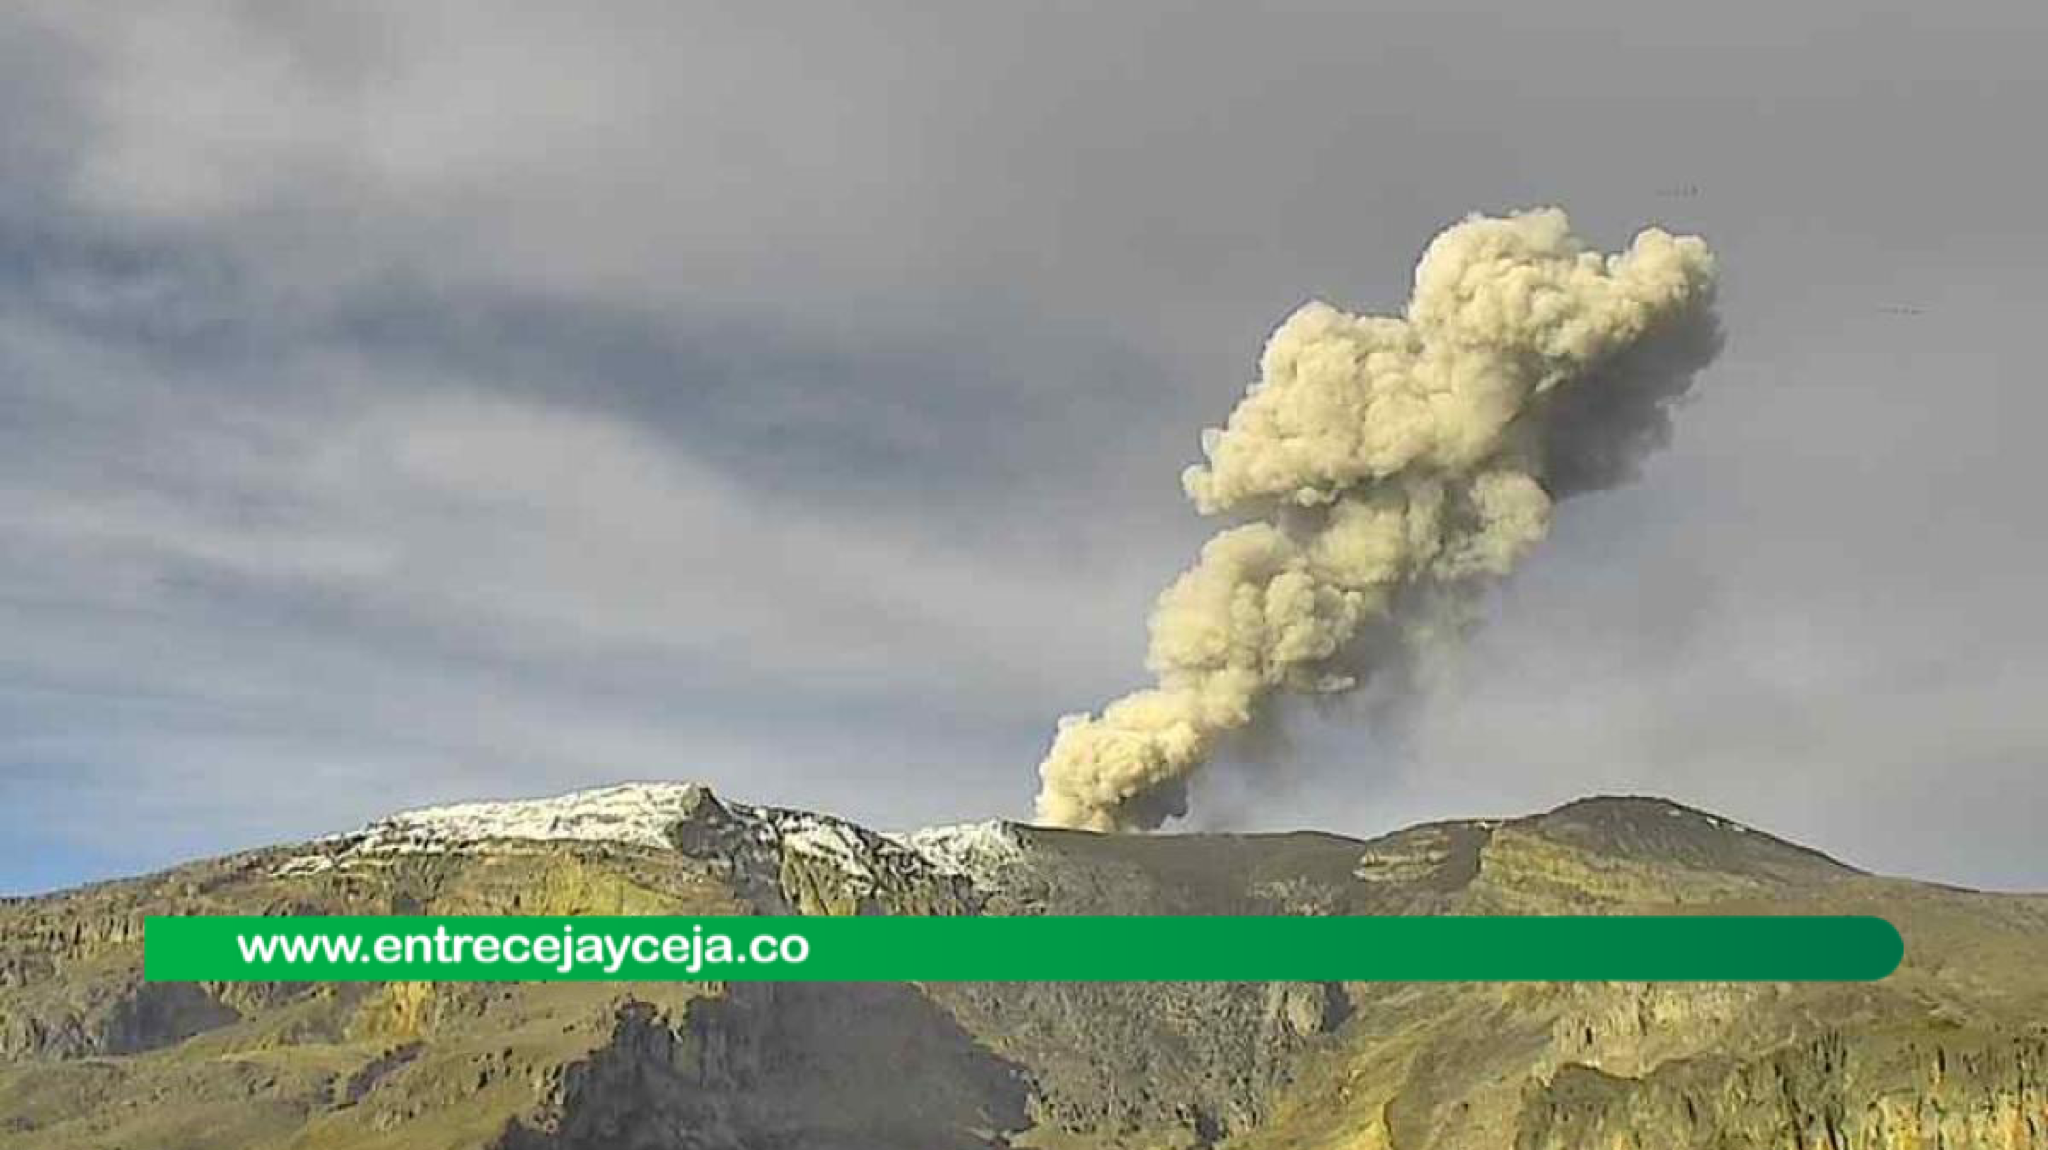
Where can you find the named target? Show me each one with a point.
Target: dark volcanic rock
(1947, 1052)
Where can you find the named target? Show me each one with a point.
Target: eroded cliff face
(1833, 1092)
(877, 1066)
(891, 1066)
(1946, 1053)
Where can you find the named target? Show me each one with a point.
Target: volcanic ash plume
(1390, 460)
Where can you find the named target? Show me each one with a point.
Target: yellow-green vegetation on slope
(1948, 1052)
(97, 1058)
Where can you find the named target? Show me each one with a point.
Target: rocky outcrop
(111, 1017)
(1946, 1053)
(766, 1065)
(1832, 1092)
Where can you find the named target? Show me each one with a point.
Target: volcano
(1948, 1051)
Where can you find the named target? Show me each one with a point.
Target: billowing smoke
(1394, 464)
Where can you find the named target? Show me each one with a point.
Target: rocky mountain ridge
(1947, 1052)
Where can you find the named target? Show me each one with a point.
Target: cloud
(882, 294)
(456, 583)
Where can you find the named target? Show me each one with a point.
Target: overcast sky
(403, 401)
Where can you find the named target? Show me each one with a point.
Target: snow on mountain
(637, 814)
(982, 851)
(646, 814)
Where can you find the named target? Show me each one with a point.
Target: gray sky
(402, 402)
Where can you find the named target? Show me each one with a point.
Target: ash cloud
(1392, 468)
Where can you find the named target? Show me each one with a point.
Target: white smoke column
(1386, 454)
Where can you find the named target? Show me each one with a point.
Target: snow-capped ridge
(982, 851)
(655, 815)
(636, 814)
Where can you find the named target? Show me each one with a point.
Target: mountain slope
(1946, 1052)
